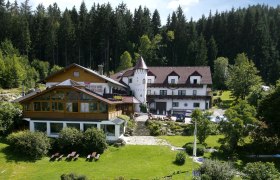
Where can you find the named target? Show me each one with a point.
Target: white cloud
(185, 4)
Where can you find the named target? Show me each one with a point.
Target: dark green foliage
(100, 34)
(241, 120)
(73, 176)
(199, 149)
(10, 116)
(260, 171)
(156, 128)
(220, 72)
(143, 108)
(268, 109)
(42, 67)
(180, 158)
(214, 169)
(32, 144)
(94, 140)
(202, 123)
(70, 139)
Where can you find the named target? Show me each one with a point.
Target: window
(93, 107)
(56, 127)
(76, 74)
(87, 126)
(37, 106)
(195, 81)
(196, 105)
(175, 104)
(58, 95)
(163, 92)
(72, 107)
(45, 106)
(57, 106)
(84, 107)
(102, 107)
(185, 104)
(149, 81)
(109, 130)
(73, 125)
(40, 126)
(172, 81)
(144, 81)
(194, 92)
(148, 92)
(28, 107)
(130, 80)
(182, 92)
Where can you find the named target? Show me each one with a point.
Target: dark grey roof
(140, 64)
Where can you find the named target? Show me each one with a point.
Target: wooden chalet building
(81, 98)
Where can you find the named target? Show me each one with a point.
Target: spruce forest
(101, 34)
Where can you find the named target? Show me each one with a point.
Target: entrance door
(161, 107)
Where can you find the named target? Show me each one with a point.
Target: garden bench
(60, 157)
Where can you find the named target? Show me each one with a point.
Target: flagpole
(194, 146)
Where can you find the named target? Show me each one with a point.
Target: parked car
(220, 118)
(180, 117)
(211, 118)
(188, 113)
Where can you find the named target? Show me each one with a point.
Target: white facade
(117, 133)
(138, 84)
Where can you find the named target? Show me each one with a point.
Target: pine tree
(156, 22)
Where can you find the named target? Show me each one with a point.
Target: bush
(72, 176)
(180, 158)
(32, 144)
(95, 140)
(156, 128)
(143, 108)
(69, 139)
(10, 114)
(199, 149)
(214, 169)
(260, 171)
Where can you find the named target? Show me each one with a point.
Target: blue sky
(192, 8)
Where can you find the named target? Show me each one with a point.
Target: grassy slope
(143, 162)
(179, 141)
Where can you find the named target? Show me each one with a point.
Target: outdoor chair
(54, 156)
(60, 157)
(97, 157)
(71, 155)
(76, 157)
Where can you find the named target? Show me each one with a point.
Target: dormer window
(195, 81)
(149, 81)
(172, 81)
(130, 80)
(76, 74)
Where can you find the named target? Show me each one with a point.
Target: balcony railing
(195, 97)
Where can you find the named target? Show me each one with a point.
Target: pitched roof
(86, 69)
(70, 82)
(184, 73)
(161, 73)
(130, 100)
(78, 88)
(140, 64)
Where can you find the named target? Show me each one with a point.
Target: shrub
(214, 169)
(199, 149)
(32, 144)
(95, 140)
(180, 158)
(143, 108)
(10, 114)
(260, 171)
(69, 139)
(155, 128)
(72, 176)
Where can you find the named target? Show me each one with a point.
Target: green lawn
(179, 141)
(139, 162)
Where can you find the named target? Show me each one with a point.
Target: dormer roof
(140, 64)
(195, 73)
(173, 73)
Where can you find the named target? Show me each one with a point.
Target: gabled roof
(195, 73)
(86, 69)
(130, 100)
(78, 88)
(173, 73)
(140, 64)
(161, 73)
(27, 96)
(70, 82)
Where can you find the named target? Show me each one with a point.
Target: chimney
(100, 69)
